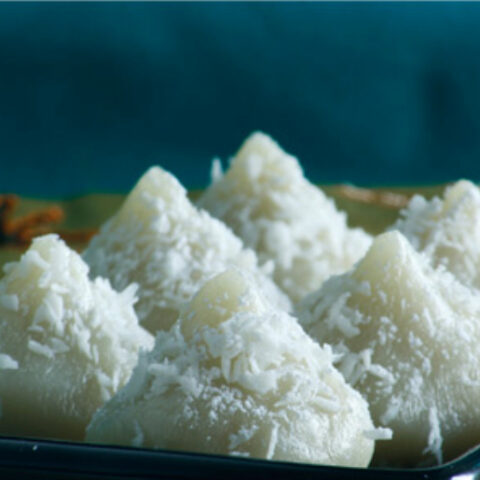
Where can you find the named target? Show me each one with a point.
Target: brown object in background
(77, 238)
(382, 198)
(20, 231)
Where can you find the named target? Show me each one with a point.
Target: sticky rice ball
(66, 343)
(160, 241)
(237, 376)
(275, 210)
(408, 338)
(447, 230)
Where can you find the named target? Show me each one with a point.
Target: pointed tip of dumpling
(456, 192)
(221, 297)
(389, 250)
(157, 182)
(46, 253)
(157, 192)
(47, 244)
(261, 144)
(259, 155)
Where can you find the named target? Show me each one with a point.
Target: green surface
(90, 211)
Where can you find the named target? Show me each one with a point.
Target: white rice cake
(237, 376)
(66, 343)
(161, 242)
(275, 210)
(447, 230)
(408, 338)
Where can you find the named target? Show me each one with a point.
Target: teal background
(91, 94)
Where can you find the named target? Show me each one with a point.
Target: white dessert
(237, 376)
(66, 343)
(269, 204)
(409, 340)
(160, 241)
(447, 230)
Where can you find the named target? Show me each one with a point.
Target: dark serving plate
(42, 459)
(22, 458)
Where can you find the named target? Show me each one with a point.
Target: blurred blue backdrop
(93, 93)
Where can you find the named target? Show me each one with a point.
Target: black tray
(42, 459)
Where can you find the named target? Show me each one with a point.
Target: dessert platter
(264, 327)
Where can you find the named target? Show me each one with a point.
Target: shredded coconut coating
(447, 230)
(408, 338)
(66, 344)
(269, 204)
(237, 376)
(160, 241)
